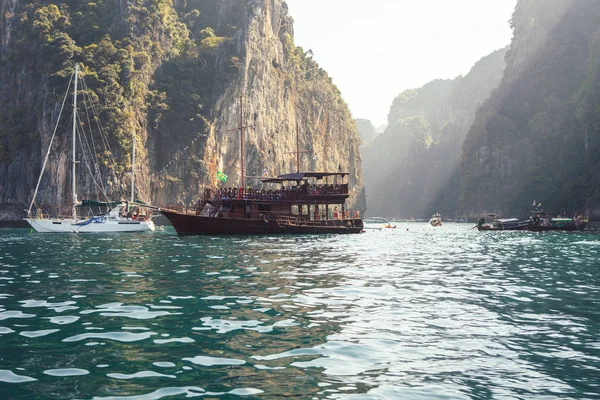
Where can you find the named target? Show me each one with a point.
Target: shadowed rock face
(160, 74)
(366, 130)
(411, 169)
(537, 136)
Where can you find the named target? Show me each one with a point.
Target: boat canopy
(301, 176)
(508, 220)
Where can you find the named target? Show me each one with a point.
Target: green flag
(221, 176)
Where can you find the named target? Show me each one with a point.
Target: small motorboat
(436, 220)
(389, 226)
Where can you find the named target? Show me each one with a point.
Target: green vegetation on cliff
(169, 72)
(118, 48)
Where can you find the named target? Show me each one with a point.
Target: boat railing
(39, 214)
(294, 193)
(286, 220)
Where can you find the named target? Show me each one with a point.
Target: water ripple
(10, 377)
(118, 336)
(410, 313)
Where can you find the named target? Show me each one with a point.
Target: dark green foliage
(157, 70)
(120, 45)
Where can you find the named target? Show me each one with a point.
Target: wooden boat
(307, 206)
(542, 222)
(305, 202)
(539, 222)
(491, 222)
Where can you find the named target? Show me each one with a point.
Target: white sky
(375, 49)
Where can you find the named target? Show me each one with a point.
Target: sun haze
(374, 50)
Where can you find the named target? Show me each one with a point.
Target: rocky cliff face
(366, 131)
(537, 137)
(179, 72)
(411, 170)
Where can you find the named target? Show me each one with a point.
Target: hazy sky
(375, 49)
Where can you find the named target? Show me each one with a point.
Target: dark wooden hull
(187, 224)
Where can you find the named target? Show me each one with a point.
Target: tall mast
(74, 207)
(297, 146)
(298, 152)
(133, 170)
(242, 141)
(241, 129)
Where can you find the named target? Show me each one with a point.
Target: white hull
(96, 225)
(435, 222)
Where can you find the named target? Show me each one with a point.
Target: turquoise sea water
(412, 313)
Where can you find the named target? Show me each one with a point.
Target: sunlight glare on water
(414, 312)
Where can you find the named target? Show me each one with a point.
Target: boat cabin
(312, 196)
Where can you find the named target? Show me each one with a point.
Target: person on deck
(335, 213)
(347, 216)
(317, 216)
(356, 214)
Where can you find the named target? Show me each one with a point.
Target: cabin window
(294, 210)
(304, 209)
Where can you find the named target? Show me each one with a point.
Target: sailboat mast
(74, 207)
(133, 170)
(242, 141)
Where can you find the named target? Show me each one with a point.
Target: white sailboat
(117, 219)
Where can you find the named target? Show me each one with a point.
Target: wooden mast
(298, 152)
(243, 181)
(241, 129)
(297, 146)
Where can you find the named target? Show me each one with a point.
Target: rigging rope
(87, 115)
(179, 153)
(103, 135)
(82, 138)
(37, 186)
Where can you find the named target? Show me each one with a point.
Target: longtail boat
(492, 222)
(542, 222)
(538, 222)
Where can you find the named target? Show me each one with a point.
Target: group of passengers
(338, 215)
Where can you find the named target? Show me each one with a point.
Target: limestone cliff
(411, 169)
(172, 74)
(366, 130)
(537, 136)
